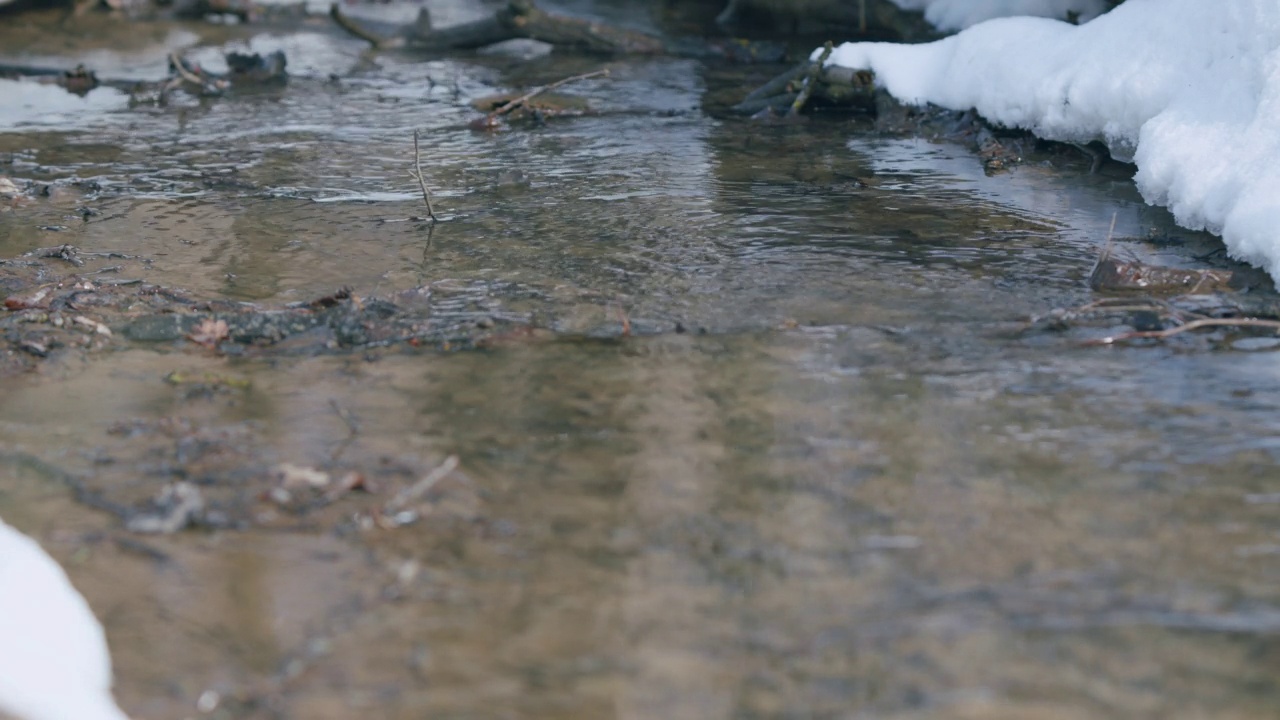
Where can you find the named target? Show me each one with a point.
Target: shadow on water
(824, 480)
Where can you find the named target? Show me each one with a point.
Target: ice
(1187, 90)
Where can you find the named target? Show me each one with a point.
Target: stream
(780, 446)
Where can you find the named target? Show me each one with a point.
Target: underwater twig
(417, 174)
(417, 490)
(512, 105)
(346, 416)
(623, 320)
(353, 428)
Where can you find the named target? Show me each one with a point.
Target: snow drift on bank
(1189, 90)
(54, 663)
(948, 15)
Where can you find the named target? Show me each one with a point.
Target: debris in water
(209, 333)
(1113, 275)
(177, 506)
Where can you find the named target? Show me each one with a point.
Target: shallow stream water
(823, 476)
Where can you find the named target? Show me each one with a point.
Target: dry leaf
(209, 333)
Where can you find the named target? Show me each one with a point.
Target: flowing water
(823, 476)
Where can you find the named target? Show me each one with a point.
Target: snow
(951, 15)
(54, 663)
(1187, 90)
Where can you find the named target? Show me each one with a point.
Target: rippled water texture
(823, 478)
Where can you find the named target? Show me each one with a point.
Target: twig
(1193, 325)
(417, 174)
(346, 416)
(178, 65)
(423, 486)
(353, 428)
(431, 231)
(811, 80)
(208, 86)
(538, 91)
(624, 320)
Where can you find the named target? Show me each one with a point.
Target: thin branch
(353, 428)
(811, 80)
(1193, 325)
(417, 174)
(624, 320)
(538, 91)
(417, 490)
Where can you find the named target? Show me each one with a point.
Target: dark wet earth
(749, 420)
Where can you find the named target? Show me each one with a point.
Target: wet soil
(750, 420)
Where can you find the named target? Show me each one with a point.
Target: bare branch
(417, 174)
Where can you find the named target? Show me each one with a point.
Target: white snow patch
(1190, 91)
(949, 15)
(54, 663)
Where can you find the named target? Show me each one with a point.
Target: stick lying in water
(512, 105)
(810, 81)
(1186, 327)
(417, 174)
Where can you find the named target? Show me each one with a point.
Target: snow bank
(1188, 90)
(949, 15)
(54, 663)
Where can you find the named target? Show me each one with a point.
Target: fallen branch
(417, 490)
(795, 88)
(512, 105)
(1186, 327)
(811, 80)
(353, 428)
(417, 174)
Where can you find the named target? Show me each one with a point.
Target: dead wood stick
(417, 490)
(623, 320)
(417, 173)
(811, 80)
(178, 65)
(208, 86)
(538, 91)
(1193, 325)
(377, 41)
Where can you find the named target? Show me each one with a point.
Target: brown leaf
(209, 333)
